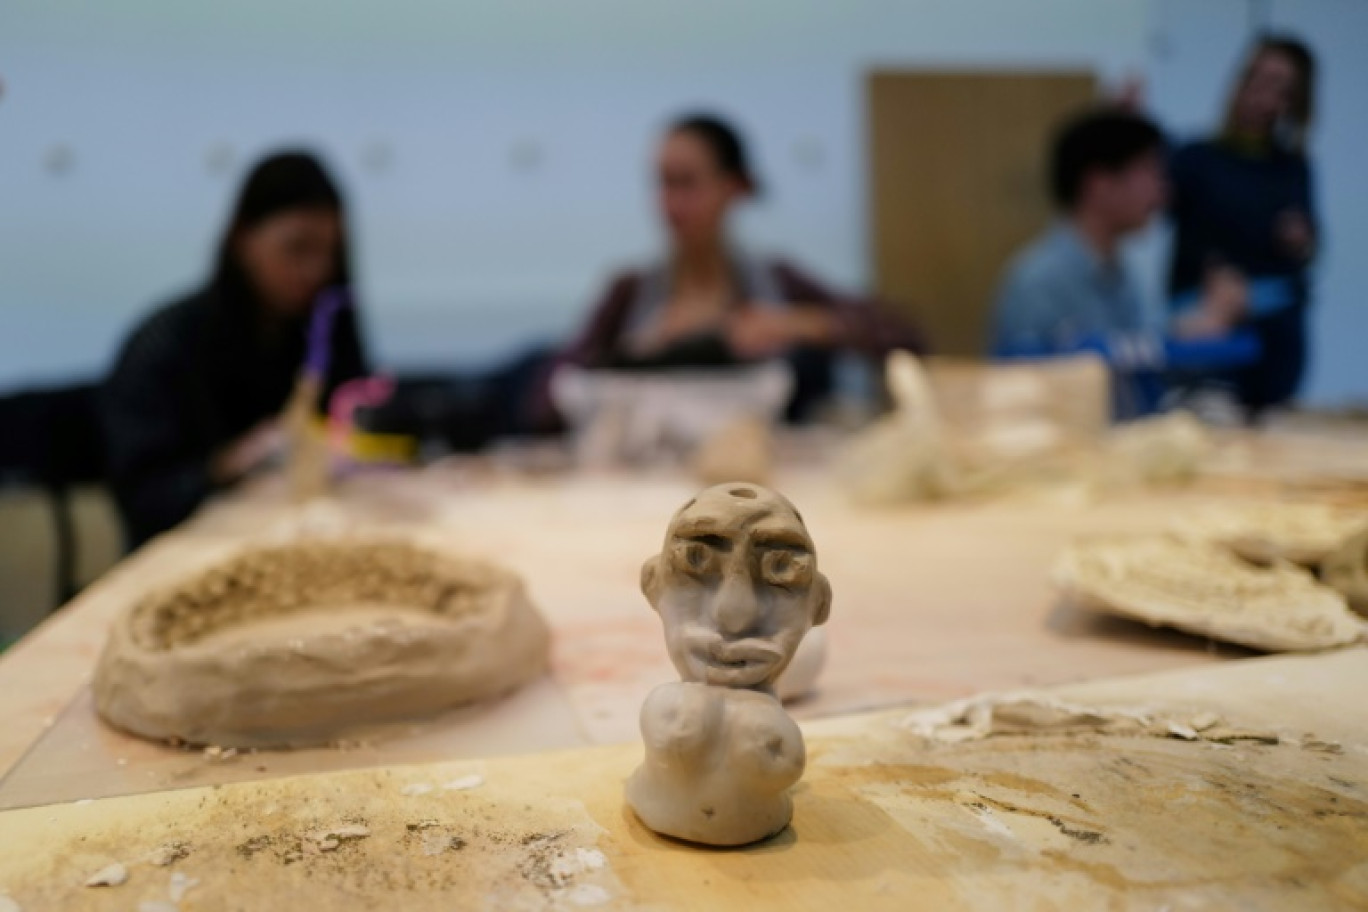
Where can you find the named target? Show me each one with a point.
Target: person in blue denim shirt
(1069, 290)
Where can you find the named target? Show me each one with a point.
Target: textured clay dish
(1303, 533)
(293, 644)
(1205, 589)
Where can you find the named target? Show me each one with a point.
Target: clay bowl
(293, 644)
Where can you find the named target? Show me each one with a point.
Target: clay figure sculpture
(736, 587)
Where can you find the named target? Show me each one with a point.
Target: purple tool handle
(319, 349)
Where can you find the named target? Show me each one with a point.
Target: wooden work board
(1268, 811)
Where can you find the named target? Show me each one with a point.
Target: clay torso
(733, 753)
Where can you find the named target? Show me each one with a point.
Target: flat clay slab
(1303, 533)
(1205, 589)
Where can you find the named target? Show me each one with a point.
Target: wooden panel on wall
(957, 184)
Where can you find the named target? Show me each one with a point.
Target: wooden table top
(931, 602)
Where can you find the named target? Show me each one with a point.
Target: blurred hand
(1294, 233)
(762, 331)
(1225, 298)
(1225, 294)
(249, 452)
(759, 332)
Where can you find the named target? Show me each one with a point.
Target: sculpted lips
(744, 652)
(735, 662)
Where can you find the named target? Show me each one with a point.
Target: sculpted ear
(650, 580)
(821, 600)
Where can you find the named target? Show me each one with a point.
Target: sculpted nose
(737, 607)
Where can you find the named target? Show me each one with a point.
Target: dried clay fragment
(1203, 588)
(113, 875)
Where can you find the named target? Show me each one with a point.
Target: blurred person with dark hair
(1070, 290)
(192, 403)
(709, 303)
(1242, 201)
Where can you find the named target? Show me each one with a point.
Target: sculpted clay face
(737, 587)
(733, 587)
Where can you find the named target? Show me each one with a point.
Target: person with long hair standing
(1242, 201)
(192, 404)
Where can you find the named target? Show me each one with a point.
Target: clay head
(736, 586)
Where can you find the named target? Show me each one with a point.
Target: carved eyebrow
(718, 542)
(791, 539)
(706, 530)
(691, 526)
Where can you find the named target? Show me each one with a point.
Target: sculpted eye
(695, 557)
(785, 567)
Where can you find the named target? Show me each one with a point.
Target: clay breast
(719, 764)
(292, 644)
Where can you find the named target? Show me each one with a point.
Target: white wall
(462, 253)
